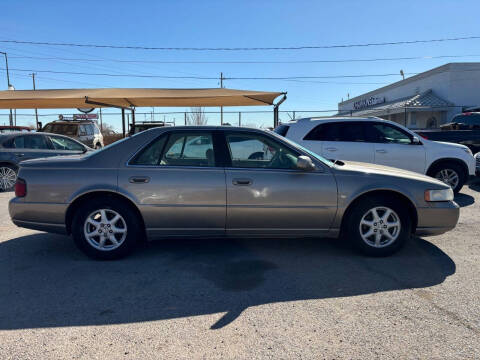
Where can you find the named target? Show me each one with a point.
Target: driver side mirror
(416, 141)
(305, 163)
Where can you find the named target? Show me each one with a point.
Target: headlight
(439, 195)
(468, 151)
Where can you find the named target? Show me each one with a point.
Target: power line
(208, 77)
(247, 61)
(130, 47)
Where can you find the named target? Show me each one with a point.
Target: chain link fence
(113, 119)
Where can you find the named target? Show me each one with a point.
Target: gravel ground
(242, 299)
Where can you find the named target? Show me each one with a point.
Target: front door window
(257, 151)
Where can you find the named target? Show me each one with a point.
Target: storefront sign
(368, 102)
(85, 116)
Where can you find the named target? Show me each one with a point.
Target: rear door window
(150, 155)
(31, 142)
(189, 149)
(178, 149)
(346, 131)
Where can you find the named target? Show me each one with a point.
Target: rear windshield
(282, 129)
(62, 129)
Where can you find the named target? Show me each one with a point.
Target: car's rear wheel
(450, 173)
(106, 229)
(8, 177)
(378, 226)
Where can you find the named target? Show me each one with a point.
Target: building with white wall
(425, 100)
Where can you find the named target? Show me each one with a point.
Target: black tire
(10, 167)
(435, 170)
(352, 229)
(134, 230)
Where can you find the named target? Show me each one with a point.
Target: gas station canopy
(132, 97)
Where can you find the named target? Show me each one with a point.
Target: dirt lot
(242, 299)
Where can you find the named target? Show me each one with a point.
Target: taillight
(20, 188)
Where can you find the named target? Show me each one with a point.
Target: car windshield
(309, 152)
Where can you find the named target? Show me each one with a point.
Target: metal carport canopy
(132, 97)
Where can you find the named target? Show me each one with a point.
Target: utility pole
(9, 86)
(36, 111)
(101, 121)
(221, 107)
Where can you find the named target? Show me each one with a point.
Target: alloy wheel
(380, 227)
(105, 229)
(449, 177)
(8, 177)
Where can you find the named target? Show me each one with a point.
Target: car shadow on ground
(464, 200)
(47, 282)
(475, 184)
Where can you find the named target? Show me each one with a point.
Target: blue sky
(206, 23)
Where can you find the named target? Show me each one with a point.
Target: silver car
(224, 182)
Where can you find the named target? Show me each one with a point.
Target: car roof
(33, 133)
(5, 127)
(71, 122)
(203, 127)
(340, 118)
(315, 121)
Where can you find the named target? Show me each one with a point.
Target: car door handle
(139, 179)
(331, 149)
(19, 155)
(381, 151)
(242, 182)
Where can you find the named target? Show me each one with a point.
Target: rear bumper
(438, 218)
(47, 227)
(49, 217)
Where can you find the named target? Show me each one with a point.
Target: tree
(197, 116)
(108, 130)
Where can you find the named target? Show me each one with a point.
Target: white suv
(378, 141)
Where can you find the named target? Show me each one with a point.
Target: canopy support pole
(123, 122)
(132, 128)
(275, 110)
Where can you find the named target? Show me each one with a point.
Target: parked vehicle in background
(13, 129)
(464, 121)
(469, 138)
(146, 125)
(17, 147)
(477, 161)
(85, 131)
(378, 141)
(211, 181)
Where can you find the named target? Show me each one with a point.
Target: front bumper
(437, 218)
(49, 217)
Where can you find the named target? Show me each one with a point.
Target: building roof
(426, 101)
(471, 66)
(127, 97)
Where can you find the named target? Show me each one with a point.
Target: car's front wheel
(106, 229)
(8, 177)
(451, 174)
(378, 226)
